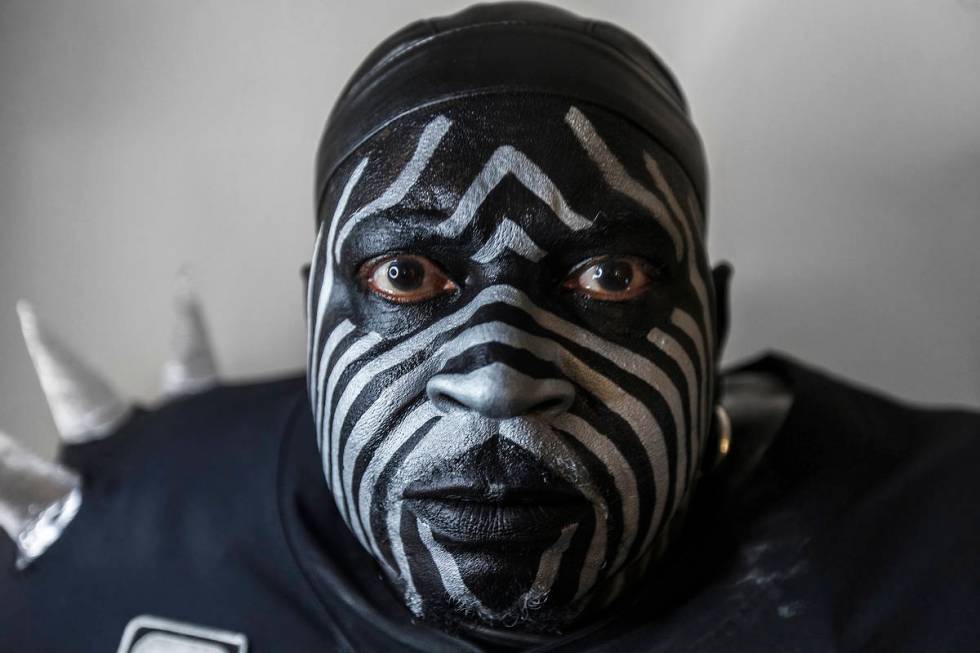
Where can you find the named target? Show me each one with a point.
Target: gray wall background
(137, 137)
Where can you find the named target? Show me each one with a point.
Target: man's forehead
(520, 152)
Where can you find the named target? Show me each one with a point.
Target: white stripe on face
(509, 236)
(326, 286)
(617, 177)
(689, 326)
(333, 339)
(311, 289)
(508, 160)
(666, 343)
(624, 478)
(452, 581)
(380, 459)
(548, 568)
(694, 274)
(350, 355)
(431, 136)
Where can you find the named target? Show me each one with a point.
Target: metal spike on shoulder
(38, 499)
(191, 367)
(84, 406)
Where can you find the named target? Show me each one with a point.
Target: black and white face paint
(511, 356)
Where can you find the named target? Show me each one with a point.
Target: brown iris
(406, 278)
(611, 278)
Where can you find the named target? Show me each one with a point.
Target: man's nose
(499, 391)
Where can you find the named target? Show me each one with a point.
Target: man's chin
(503, 594)
(508, 571)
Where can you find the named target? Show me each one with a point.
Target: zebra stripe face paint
(513, 447)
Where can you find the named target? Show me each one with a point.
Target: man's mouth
(482, 514)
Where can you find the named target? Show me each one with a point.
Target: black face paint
(513, 443)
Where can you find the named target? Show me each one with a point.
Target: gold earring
(724, 432)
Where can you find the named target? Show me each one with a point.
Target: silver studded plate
(146, 634)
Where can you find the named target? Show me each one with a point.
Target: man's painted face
(511, 354)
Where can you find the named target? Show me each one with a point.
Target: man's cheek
(390, 320)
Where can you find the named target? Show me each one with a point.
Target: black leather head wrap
(511, 48)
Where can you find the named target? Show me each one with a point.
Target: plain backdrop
(139, 137)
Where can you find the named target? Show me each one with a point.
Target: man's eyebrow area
(620, 180)
(622, 231)
(392, 228)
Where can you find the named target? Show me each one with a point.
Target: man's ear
(305, 273)
(721, 274)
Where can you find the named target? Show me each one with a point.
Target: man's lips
(485, 514)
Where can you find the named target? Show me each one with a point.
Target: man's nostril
(551, 405)
(446, 402)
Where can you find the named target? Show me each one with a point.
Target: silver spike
(191, 368)
(38, 499)
(83, 405)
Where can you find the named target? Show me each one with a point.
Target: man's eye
(611, 278)
(406, 278)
